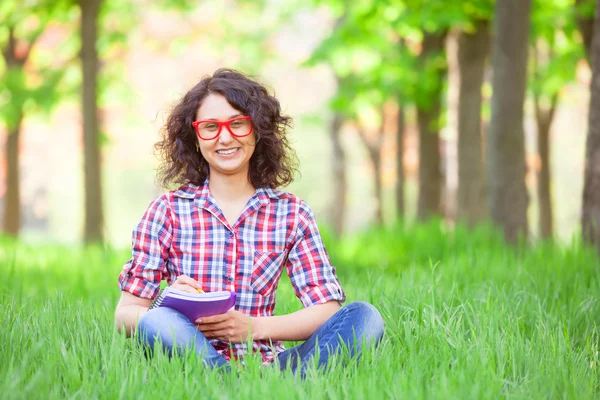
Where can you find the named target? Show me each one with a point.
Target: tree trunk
(430, 173)
(11, 224)
(338, 205)
(400, 164)
(544, 117)
(473, 50)
(506, 143)
(590, 215)
(374, 152)
(94, 219)
(586, 28)
(376, 159)
(12, 201)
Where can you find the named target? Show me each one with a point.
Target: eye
(236, 124)
(210, 127)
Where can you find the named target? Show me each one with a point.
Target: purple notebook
(193, 305)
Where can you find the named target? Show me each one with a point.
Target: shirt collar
(188, 191)
(201, 193)
(265, 194)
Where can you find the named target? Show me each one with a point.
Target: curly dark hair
(273, 163)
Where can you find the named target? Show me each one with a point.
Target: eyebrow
(230, 117)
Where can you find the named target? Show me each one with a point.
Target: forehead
(215, 106)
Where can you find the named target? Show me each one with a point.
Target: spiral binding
(158, 300)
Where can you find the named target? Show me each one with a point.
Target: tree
(338, 206)
(400, 126)
(373, 144)
(554, 52)
(27, 85)
(359, 91)
(434, 20)
(401, 46)
(473, 51)
(506, 147)
(94, 219)
(14, 66)
(96, 17)
(432, 61)
(590, 215)
(381, 48)
(584, 11)
(544, 116)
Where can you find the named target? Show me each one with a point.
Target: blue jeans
(349, 329)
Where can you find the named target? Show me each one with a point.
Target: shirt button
(230, 234)
(229, 279)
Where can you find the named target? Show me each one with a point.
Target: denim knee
(177, 335)
(156, 321)
(151, 320)
(368, 319)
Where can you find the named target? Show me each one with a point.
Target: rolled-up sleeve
(151, 241)
(308, 265)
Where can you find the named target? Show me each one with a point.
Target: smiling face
(226, 155)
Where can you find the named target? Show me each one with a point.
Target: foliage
(376, 44)
(556, 47)
(31, 76)
(50, 72)
(466, 317)
(117, 20)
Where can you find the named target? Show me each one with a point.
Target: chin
(230, 170)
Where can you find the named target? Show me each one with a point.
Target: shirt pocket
(266, 272)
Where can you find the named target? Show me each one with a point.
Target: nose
(225, 136)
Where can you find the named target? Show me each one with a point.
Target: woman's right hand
(186, 284)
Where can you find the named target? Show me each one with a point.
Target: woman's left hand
(233, 326)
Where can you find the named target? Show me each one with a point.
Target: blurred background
(404, 110)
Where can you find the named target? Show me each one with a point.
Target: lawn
(466, 317)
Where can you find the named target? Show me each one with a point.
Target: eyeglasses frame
(227, 125)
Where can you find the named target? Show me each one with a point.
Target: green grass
(466, 317)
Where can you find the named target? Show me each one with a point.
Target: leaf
(555, 47)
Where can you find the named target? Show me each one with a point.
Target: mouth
(228, 152)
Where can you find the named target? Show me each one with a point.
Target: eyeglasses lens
(210, 130)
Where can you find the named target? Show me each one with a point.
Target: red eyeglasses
(209, 129)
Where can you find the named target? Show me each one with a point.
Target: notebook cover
(194, 309)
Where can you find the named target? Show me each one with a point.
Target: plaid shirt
(185, 232)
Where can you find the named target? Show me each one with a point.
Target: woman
(228, 227)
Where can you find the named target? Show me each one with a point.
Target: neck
(230, 187)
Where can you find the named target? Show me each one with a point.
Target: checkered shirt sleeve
(309, 267)
(151, 239)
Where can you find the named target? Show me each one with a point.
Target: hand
(186, 284)
(233, 326)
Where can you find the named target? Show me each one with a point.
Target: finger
(215, 326)
(226, 335)
(188, 281)
(213, 319)
(184, 287)
(216, 334)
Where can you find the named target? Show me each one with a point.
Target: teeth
(226, 151)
